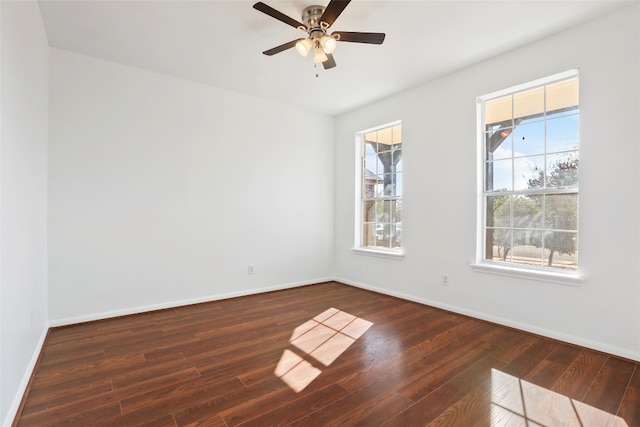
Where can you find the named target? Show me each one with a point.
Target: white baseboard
(17, 399)
(598, 346)
(174, 304)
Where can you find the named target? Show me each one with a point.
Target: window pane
(383, 236)
(390, 183)
(396, 211)
(527, 247)
(498, 211)
(368, 211)
(560, 249)
(369, 185)
(368, 234)
(562, 170)
(561, 211)
(562, 133)
(396, 235)
(498, 175)
(527, 211)
(562, 96)
(372, 164)
(498, 110)
(501, 244)
(398, 184)
(498, 144)
(528, 139)
(385, 136)
(382, 211)
(528, 172)
(397, 159)
(378, 188)
(528, 103)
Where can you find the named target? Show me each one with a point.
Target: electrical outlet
(445, 280)
(251, 269)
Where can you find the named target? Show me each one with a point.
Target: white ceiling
(219, 43)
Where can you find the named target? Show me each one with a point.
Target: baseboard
(616, 351)
(17, 399)
(179, 303)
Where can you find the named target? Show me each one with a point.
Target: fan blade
(333, 10)
(355, 37)
(278, 15)
(329, 63)
(280, 48)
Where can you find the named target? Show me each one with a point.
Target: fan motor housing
(311, 18)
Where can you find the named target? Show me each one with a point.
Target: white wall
(163, 191)
(439, 135)
(23, 211)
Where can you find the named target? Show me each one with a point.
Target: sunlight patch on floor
(324, 338)
(523, 403)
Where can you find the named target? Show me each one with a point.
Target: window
(530, 154)
(379, 184)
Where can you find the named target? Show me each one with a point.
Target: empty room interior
(381, 221)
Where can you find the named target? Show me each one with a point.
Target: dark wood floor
(255, 361)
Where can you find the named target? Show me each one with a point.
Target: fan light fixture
(316, 20)
(322, 47)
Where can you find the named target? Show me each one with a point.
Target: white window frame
(520, 271)
(358, 248)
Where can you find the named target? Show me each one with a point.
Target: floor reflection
(324, 338)
(520, 403)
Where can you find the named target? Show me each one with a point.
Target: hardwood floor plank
(548, 371)
(215, 421)
(609, 386)
(499, 416)
(526, 361)
(42, 398)
(151, 369)
(366, 407)
(88, 372)
(89, 413)
(235, 363)
(429, 407)
(166, 421)
(630, 406)
(575, 381)
(176, 396)
(286, 412)
(264, 395)
(514, 347)
(473, 407)
(431, 376)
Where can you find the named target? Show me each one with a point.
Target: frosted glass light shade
(328, 44)
(304, 46)
(319, 56)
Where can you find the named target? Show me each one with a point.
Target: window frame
(534, 272)
(359, 248)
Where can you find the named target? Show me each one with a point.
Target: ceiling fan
(316, 20)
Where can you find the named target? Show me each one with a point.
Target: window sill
(398, 255)
(525, 273)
